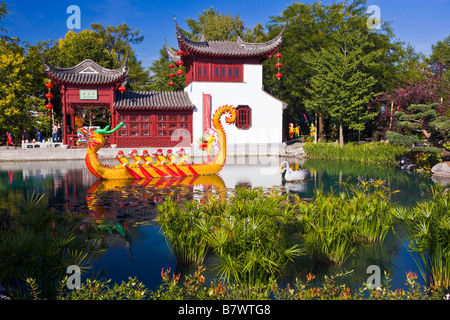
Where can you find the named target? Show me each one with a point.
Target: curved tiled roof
(237, 48)
(86, 72)
(153, 100)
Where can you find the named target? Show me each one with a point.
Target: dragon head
(94, 139)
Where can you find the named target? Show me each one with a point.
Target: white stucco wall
(267, 111)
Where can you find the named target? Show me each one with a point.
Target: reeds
(366, 153)
(334, 225)
(428, 233)
(246, 234)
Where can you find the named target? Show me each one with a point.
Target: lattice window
(244, 117)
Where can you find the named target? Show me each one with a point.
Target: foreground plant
(246, 233)
(428, 232)
(334, 226)
(41, 244)
(194, 287)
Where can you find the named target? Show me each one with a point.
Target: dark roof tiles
(87, 72)
(237, 48)
(153, 100)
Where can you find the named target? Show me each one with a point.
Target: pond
(128, 208)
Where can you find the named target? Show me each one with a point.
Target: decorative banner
(88, 95)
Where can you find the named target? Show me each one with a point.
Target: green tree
(159, 78)
(425, 119)
(308, 29)
(87, 44)
(342, 85)
(3, 11)
(118, 41)
(441, 51)
(18, 103)
(214, 25)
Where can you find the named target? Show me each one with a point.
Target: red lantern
(122, 89)
(171, 66)
(180, 72)
(171, 83)
(278, 55)
(49, 85)
(49, 106)
(278, 75)
(49, 96)
(171, 75)
(180, 63)
(180, 52)
(278, 65)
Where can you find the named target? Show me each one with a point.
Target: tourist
(55, 133)
(40, 136)
(10, 140)
(59, 133)
(26, 136)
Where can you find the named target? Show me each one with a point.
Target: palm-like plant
(428, 232)
(41, 244)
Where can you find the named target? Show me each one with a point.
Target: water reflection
(127, 208)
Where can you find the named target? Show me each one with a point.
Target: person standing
(26, 136)
(55, 133)
(10, 140)
(40, 136)
(59, 133)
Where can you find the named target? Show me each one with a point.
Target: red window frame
(244, 117)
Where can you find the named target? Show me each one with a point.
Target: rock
(443, 181)
(441, 169)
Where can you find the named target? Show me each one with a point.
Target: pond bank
(58, 153)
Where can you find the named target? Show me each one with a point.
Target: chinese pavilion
(217, 73)
(230, 72)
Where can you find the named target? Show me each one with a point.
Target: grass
(366, 153)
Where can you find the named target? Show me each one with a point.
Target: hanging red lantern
(171, 66)
(180, 72)
(180, 63)
(49, 85)
(278, 75)
(180, 52)
(49, 95)
(171, 75)
(278, 55)
(49, 106)
(122, 89)
(171, 83)
(278, 65)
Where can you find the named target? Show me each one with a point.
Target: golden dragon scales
(95, 140)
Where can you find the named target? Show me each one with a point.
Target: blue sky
(418, 22)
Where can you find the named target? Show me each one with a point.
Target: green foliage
(194, 287)
(41, 244)
(333, 226)
(367, 153)
(342, 84)
(427, 229)
(17, 98)
(245, 233)
(401, 139)
(309, 33)
(425, 119)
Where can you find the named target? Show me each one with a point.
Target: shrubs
(367, 153)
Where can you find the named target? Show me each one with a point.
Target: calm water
(138, 249)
